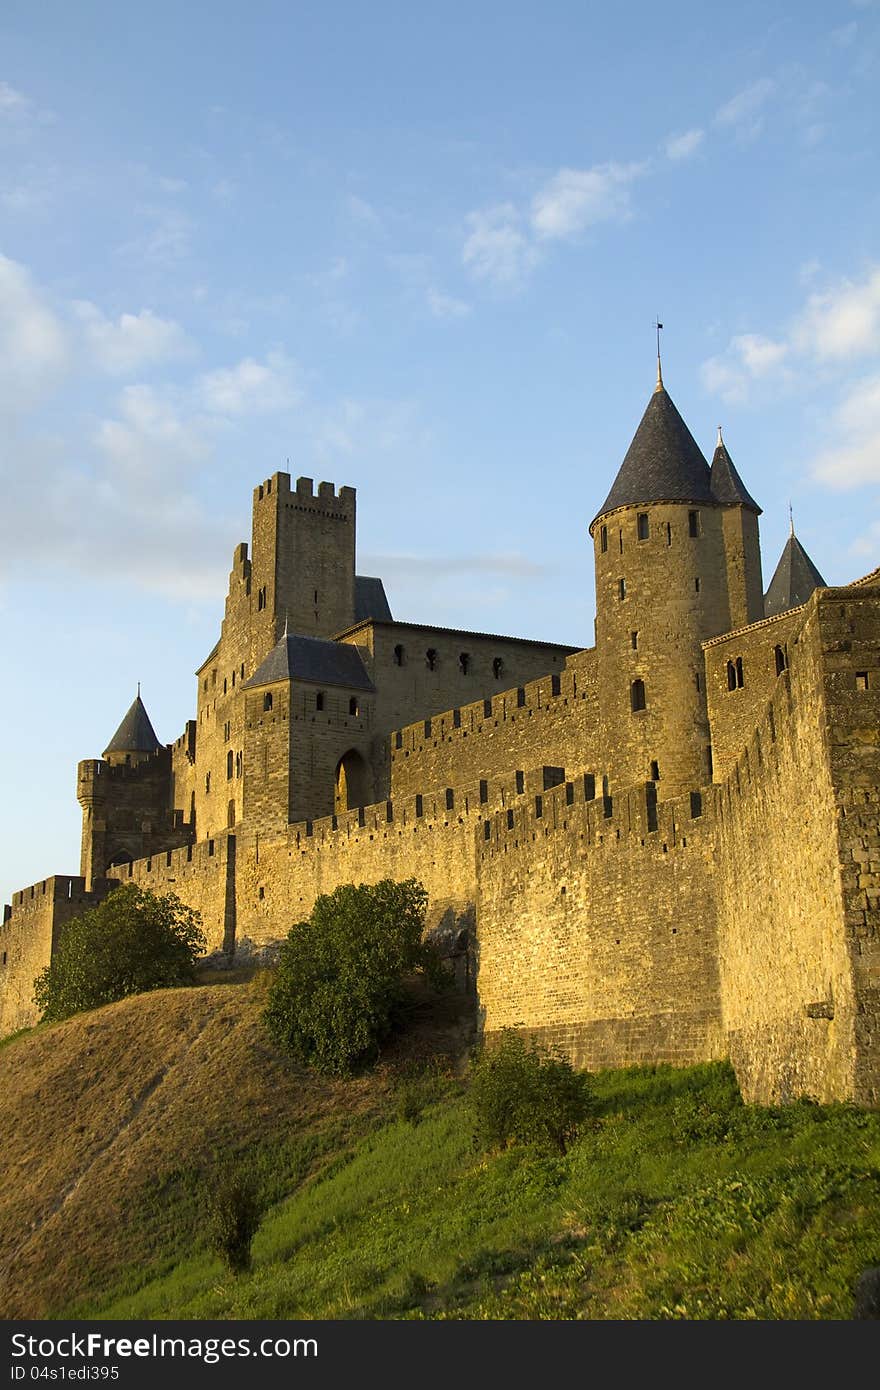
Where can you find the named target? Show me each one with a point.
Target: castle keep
(665, 847)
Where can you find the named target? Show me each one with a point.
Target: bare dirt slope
(96, 1113)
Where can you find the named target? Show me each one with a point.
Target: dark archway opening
(353, 782)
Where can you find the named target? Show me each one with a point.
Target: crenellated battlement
(303, 496)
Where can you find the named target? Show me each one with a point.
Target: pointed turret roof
(662, 464)
(135, 734)
(727, 486)
(314, 659)
(794, 579)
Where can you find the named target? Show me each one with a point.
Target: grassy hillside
(676, 1202)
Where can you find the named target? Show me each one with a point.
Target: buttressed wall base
(663, 848)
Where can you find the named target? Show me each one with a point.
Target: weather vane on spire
(659, 387)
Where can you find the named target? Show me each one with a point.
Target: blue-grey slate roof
(794, 579)
(313, 659)
(726, 485)
(663, 463)
(370, 600)
(135, 734)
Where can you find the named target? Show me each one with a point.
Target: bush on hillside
(132, 942)
(521, 1093)
(233, 1217)
(339, 976)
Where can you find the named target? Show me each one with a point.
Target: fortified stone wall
(658, 598)
(596, 926)
(849, 627)
(466, 665)
(203, 877)
(552, 720)
(786, 975)
(28, 936)
(126, 812)
(753, 656)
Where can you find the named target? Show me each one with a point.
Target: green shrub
(521, 1093)
(234, 1215)
(339, 975)
(132, 942)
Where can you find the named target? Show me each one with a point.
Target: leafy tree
(132, 942)
(521, 1093)
(339, 975)
(234, 1214)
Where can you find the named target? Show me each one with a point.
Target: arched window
(781, 662)
(603, 539)
(464, 661)
(353, 705)
(224, 685)
(229, 766)
(498, 668)
(739, 673)
(399, 654)
(238, 764)
(431, 658)
(731, 676)
(267, 701)
(207, 782)
(319, 700)
(637, 694)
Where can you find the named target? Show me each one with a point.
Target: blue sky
(418, 249)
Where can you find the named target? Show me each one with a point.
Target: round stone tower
(661, 590)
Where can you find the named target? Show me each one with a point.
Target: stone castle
(665, 847)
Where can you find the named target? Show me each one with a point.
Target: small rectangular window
(861, 680)
(621, 588)
(634, 639)
(642, 526)
(693, 523)
(603, 539)
(520, 783)
(696, 586)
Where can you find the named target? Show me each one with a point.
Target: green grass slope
(677, 1201)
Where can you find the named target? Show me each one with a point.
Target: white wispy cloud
(406, 567)
(749, 357)
(130, 342)
(853, 458)
(445, 306)
(12, 101)
(837, 330)
(497, 247)
(743, 113)
(35, 351)
(678, 147)
(251, 387)
(363, 212)
(575, 199)
(165, 239)
(149, 439)
(837, 325)
(842, 322)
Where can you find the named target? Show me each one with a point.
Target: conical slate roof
(794, 579)
(135, 734)
(315, 659)
(726, 485)
(662, 464)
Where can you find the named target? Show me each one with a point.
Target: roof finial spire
(720, 443)
(139, 690)
(659, 386)
(791, 518)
